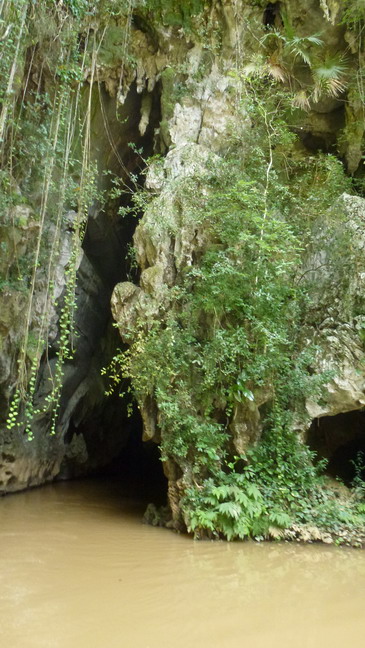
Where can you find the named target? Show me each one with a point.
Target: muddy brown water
(78, 569)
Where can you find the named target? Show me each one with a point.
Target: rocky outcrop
(28, 462)
(170, 89)
(171, 238)
(335, 310)
(82, 439)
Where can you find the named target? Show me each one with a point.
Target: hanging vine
(45, 143)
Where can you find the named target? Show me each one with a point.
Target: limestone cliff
(176, 82)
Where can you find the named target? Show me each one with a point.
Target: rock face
(31, 462)
(197, 131)
(336, 309)
(334, 319)
(89, 433)
(175, 93)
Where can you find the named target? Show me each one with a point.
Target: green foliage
(278, 487)
(233, 509)
(358, 480)
(291, 45)
(232, 327)
(237, 305)
(176, 13)
(283, 51)
(80, 9)
(328, 74)
(44, 168)
(77, 7)
(169, 12)
(353, 12)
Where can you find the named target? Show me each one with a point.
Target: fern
(280, 519)
(230, 509)
(221, 492)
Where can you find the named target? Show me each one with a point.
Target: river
(79, 570)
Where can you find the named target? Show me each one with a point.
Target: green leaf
(232, 509)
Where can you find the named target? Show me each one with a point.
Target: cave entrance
(138, 467)
(341, 440)
(100, 439)
(116, 452)
(272, 17)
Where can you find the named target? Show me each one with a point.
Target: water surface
(78, 569)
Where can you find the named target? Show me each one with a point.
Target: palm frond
(260, 66)
(256, 67)
(296, 50)
(330, 67)
(329, 76)
(276, 68)
(301, 100)
(277, 72)
(288, 27)
(273, 34)
(298, 47)
(314, 40)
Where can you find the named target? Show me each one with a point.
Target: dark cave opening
(341, 440)
(319, 134)
(123, 456)
(109, 234)
(138, 467)
(101, 440)
(271, 17)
